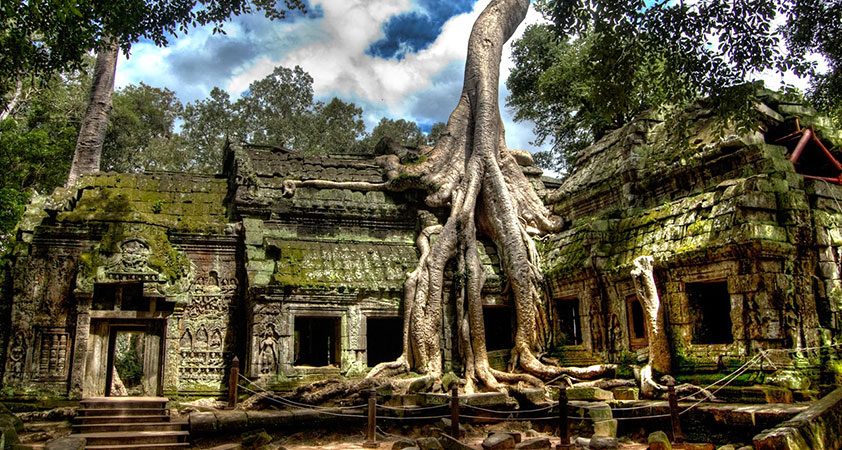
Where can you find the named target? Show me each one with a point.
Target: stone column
(80, 348)
(172, 353)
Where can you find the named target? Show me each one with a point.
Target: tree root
(322, 391)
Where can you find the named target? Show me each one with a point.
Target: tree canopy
(599, 63)
(52, 36)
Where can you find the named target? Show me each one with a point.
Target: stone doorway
(133, 371)
(125, 358)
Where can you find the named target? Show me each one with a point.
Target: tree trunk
(10, 106)
(647, 293)
(88, 152)
(471, 172)
(659, 346)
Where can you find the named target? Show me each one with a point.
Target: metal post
(233, 381)
(370, 436)
(563, 421)
(677, 435)
(454, 410)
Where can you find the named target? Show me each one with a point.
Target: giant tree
(471, 173)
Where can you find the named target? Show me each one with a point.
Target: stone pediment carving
(164, 270)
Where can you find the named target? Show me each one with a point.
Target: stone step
(121, 412)
(138, 426)
(123, 402)
(164, 446)
(132, 439)
(123, 418)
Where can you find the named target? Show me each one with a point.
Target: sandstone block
(429, 443)
(659, 441)
(606, 427)
(499, 441)
(603, 443)
(626, 393)
(540, 443)
(449, 442)
(514, 434)
(589, 394)
(401, 444)
(67, 443)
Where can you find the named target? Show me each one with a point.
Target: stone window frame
(555, 319)
(363, 337)
(635, 343)
(42, 332)
(721, 271)
(317, 313)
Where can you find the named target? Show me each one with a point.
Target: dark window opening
(568, 329)
(498, 328)
(120, 296)
(104, 296)
(710, 309)
(384, 339)
(637, 326)
(133, 299)
(317, 341)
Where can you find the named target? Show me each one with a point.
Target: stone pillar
(80, 347)
(172, 352)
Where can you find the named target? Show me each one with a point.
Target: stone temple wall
(306, 280)
(737, 234)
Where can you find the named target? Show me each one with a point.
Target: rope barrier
(515, 415)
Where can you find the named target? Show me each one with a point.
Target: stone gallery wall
(165, 235)
(739, 238)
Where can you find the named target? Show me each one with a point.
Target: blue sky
(402, 59)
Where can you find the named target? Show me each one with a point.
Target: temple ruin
(305, 283)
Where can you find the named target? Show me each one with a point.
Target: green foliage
(140, 133)
(600, 63)
(435, 133)
(37, 142)
(402, 131)
(127, 361)
(51, 36)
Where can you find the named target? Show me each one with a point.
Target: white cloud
(423, 86)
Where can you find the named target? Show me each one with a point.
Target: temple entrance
(317, 341)
(125, 358)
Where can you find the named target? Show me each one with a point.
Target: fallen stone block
(626, 393)
(603, 443)
(589, 394)
(499, 441)
(514, 434)
(428, 443)
(449, 442)
(659, 441)
(401, 444)
(540, 443)
(605, 427)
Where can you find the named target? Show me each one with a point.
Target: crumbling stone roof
(640, 193)
(185, 202)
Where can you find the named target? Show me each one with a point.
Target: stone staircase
(137, 423)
